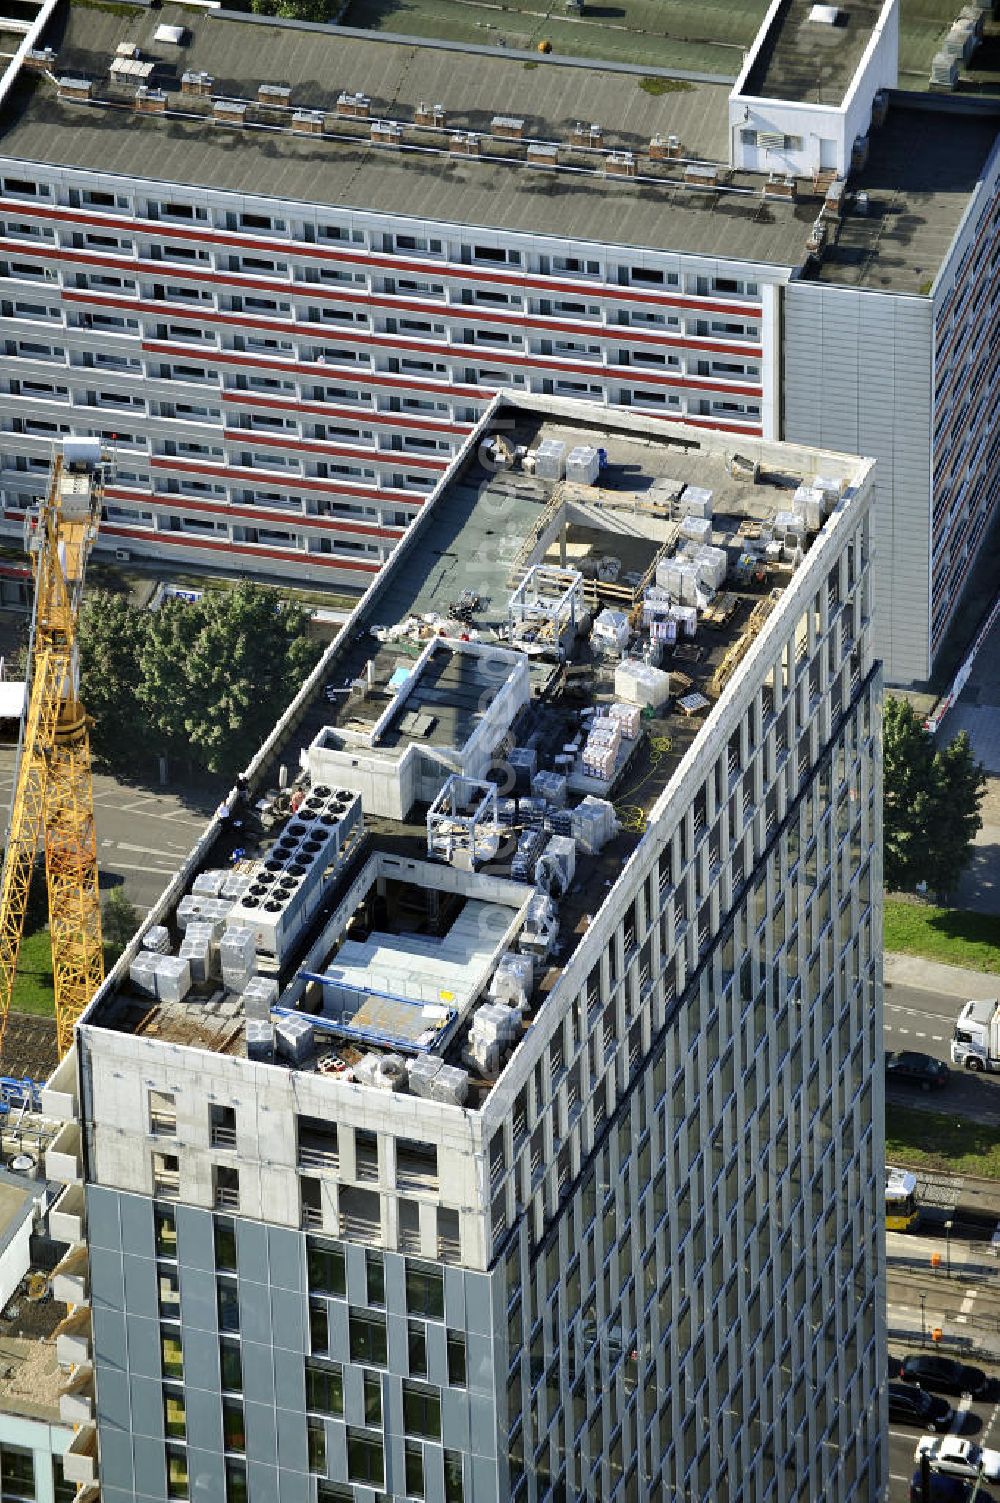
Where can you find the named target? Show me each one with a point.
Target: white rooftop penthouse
(812, 85)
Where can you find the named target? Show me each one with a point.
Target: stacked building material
(594, 823)
(295, 1039)
(601, 749)
(629, 717)
(238, 957)
(157, 939)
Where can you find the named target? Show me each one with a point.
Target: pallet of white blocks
(295, 1039)
(157, 939)
(259, 996)
(260, 1040)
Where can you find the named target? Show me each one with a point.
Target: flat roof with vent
(498, 188)
(812, 52)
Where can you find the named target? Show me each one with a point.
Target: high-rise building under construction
(491, 1108)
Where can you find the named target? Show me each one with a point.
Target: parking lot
(142, 834)
(977, 1420)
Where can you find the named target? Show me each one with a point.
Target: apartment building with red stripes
(284, 268)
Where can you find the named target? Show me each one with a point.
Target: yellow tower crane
(53, 790)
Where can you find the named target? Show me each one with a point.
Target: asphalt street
(966, 1304)
(142, 834)
(919, 1019)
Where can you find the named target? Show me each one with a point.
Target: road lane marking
(150, 871)
(916, 1012)
(991, 1421)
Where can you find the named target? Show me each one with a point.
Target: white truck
(976, 1040)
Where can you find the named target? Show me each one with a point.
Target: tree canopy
(296, 10)
(120, 921)
(932, 799)
(201, 682)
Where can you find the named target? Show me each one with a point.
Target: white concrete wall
(119, 1071)
(15, 1261)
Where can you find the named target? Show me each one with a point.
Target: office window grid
(762, 1180)
(799, 811)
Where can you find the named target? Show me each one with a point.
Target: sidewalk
(933, 976)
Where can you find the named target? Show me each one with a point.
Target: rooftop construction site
(389, 125)
(396, 884)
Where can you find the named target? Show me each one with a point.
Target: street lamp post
(947, 1246)
(923, 1321)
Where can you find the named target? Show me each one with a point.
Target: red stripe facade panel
(358, 256)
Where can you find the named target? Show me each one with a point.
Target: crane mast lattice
(53, 789)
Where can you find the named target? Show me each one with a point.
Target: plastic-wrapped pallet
(664, 632)
(611, 629)
(686, 618)
(629, 717)
(696, 502)
(551, 786)
(531, 812)
(831, 491)
(259, 996)
(655, 602)
(196, 949)
(295, 1039)
(523, 763)
(680, 577)
(493, 1024)
(189, 910)
(556, 866)
(711, 565)
(157, 938)
(808, 503)
(260, 1040)
(541, 926)
(506, 812)
(790, 527)
(594, 824)
(558, 822)
(238, 956)
(421, 1071)
(450, 1085)
(698, 529)
(142, 972)
(513, 979)
(583, 464)
(605, 730)
(550, 459)
(173, 978)
(641, 684)
(209, 883)
(599, 762)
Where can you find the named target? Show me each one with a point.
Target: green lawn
(951, 935)
(915, 1139)
(33, 982)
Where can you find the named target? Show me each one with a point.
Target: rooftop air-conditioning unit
(123, 555)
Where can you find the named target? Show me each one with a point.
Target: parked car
(942, 1374)
(958, 1457)
(914, 1068)
(946, 1489)
(912, 1405)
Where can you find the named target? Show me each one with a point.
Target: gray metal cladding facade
(278, 1345)
(857, 376)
